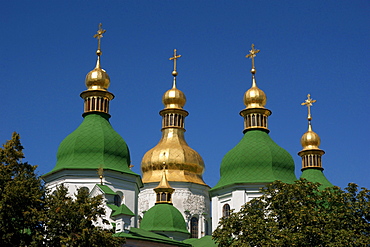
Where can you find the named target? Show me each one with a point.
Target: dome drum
(311, 158)
(96, 101)
(173, 118)
(255, 118)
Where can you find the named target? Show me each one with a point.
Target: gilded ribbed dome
(183, 163)
(97, 78)
(310, 140)
(254, 97)
(174, 98)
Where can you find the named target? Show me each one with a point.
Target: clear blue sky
(316, 47)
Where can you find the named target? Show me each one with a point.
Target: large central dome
(183, 164)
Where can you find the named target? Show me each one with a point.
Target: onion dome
(310, 140)
(256, 158)
(174, 98)
(95, 144)
(183, 163)
(97, 78)
(164, 217)
(311, 154)
(254, 97)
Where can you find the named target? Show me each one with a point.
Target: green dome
(256, 159)
(92, 145)
(163, 217)
(316, 176)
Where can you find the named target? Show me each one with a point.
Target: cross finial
(174, 58)
(308, 102)
(99, 35)
(251, 55)
(100, 173)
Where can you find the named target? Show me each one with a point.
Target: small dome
(163, 218)
(310, 140)
(97, 79)
(174, 98)
(255, 98)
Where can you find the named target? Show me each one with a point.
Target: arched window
(117, 200)
(206, 227)
(163, 197)
(194, 227)
(226, 210)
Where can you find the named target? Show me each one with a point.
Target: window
(194, 227)
(226, 210)
(117, 200)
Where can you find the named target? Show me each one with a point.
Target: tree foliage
(29, 216)
(70, 221)
(21, 197)
(300, 214)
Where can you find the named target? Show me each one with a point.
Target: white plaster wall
(235, 196)
(74, 179)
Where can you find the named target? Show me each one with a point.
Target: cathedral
(169, 204)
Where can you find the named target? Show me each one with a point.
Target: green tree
(21, 197)
(300, 214)
(70, 221)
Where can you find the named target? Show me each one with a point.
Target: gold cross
(99, 35)
(308, 102)
(252, 55)
(174, 58)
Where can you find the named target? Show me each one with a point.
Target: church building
(171, 205)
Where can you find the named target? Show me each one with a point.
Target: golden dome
(174, 98)
(97, 78)
(310, 140)
(254, 97)
(183, 164)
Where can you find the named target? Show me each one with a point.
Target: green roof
(123, 209)
(92, 145)
(140, 234)
(205, 241)
(256, 159)
(316, 176)
(164, 217)
(106, 189)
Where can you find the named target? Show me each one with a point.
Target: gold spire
(164, 189)
(98, 36)
(174, 98)
(183, 163)
(252, 55)
(101, 173)
(310, 141)
(255, 114)
(254, 97)
(98, 78)
(97, 82)
(308, 102)
(174, 72)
